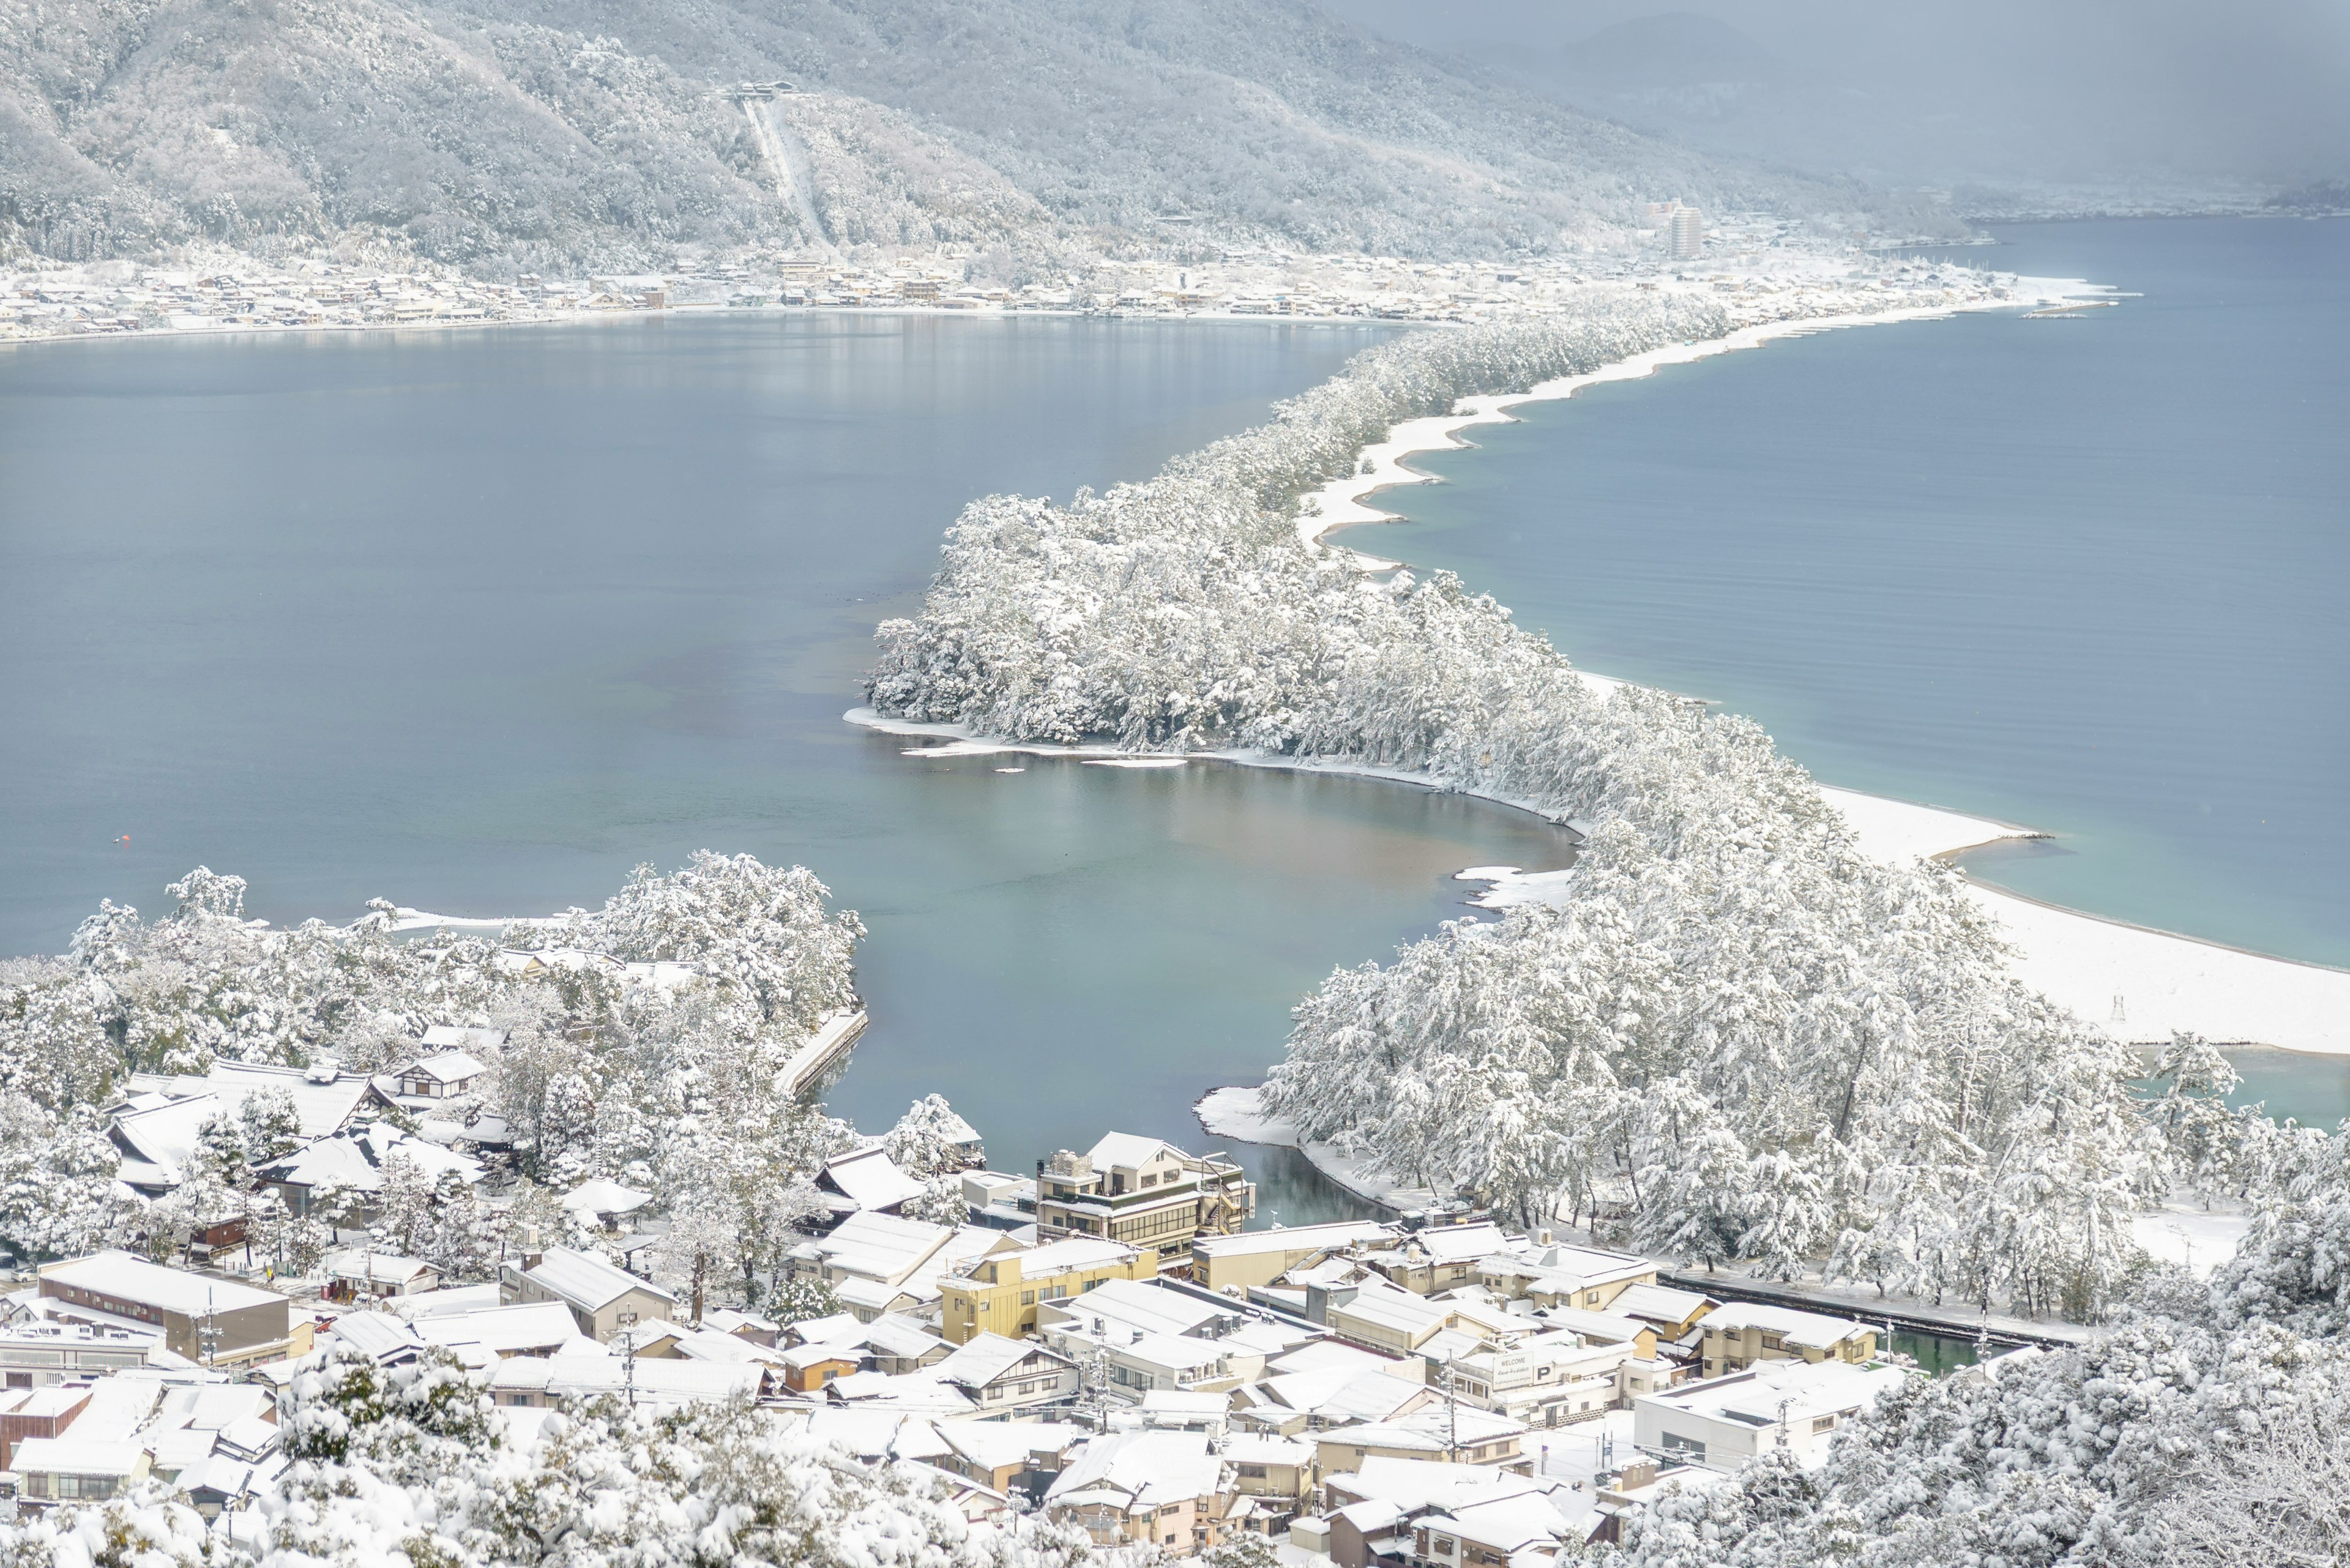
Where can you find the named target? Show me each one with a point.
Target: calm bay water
(2084, 574)
(477, 621)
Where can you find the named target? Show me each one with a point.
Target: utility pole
(1783, 1421)
(208, 1336)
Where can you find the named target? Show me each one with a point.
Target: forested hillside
(522, 134)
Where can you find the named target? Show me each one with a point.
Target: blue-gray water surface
(476, 621)
(2085, 574)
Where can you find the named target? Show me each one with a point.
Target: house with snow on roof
(156, 1123)
(602, 1299)
(1738, 1335)
(998, 1375)
(1144, 1488)
(360, 1274)
(69, 1469)
(1143, 1191)
(1249, 1260)
(1007, 1454)
(604, 1202)
(1456, 1433)
(352, 1163)
(1724, 1422)
(867, 1179)
(219, 1322)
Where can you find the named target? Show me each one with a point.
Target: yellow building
(1744, 1332)
(997, 1292)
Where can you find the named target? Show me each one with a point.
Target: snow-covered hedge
(1751, 1040)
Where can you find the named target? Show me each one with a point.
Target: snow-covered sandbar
(1344, 502)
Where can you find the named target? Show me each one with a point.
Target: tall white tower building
(1688, 232)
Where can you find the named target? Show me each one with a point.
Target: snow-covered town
(1100, 1344)
(1738, 255)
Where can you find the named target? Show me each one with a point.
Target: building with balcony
(1143, 1191)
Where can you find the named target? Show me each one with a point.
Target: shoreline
(2167, 981)
(1344, 502)
(2138, 983)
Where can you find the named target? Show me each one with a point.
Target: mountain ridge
(521, 134)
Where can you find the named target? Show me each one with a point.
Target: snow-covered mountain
(525, 133)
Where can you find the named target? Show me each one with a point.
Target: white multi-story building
(1687, 232)
(1724, 1422)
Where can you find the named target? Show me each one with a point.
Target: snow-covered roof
(1183, 1403)
(1799, 1390)
(602, 1196)
(985, 1357)
(503, 1330)
(1294, 1239)
(1431, 1429)
(732, 1320)
(713, 1344)
(1127, 1150)
(323, 1099)
(217, 1475)
(871, 1180)
(991, 1444)
(1266, 1448)
(902, 1337)
(875, 1434)
(1814, 1331)
(1137, 1471)
(1399, 1311)
(1414, 1484)
(122, 1277)
(1140, 1303)
(839, 1327)
(1458, 1243)
(912, 1391)
(880, 1246)
(70, 1456)
(448, 1299)
(1598, 1327)
(1070, 1252)
(355, 1161)
(1330, 1356)
(1342, 1394)
(657, 1379)
(118, 1408)
(1172, 1353)
(446, 1067)
(390, 1268)
(587, 1282)
(1660, 1303)
(376, 1333)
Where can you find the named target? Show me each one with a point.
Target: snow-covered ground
(2138, 984)
(2192, 1236)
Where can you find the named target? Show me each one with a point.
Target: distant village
(1104, 1339)
(1676, 245)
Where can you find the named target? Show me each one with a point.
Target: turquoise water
(476, 621)
(2085, 574)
